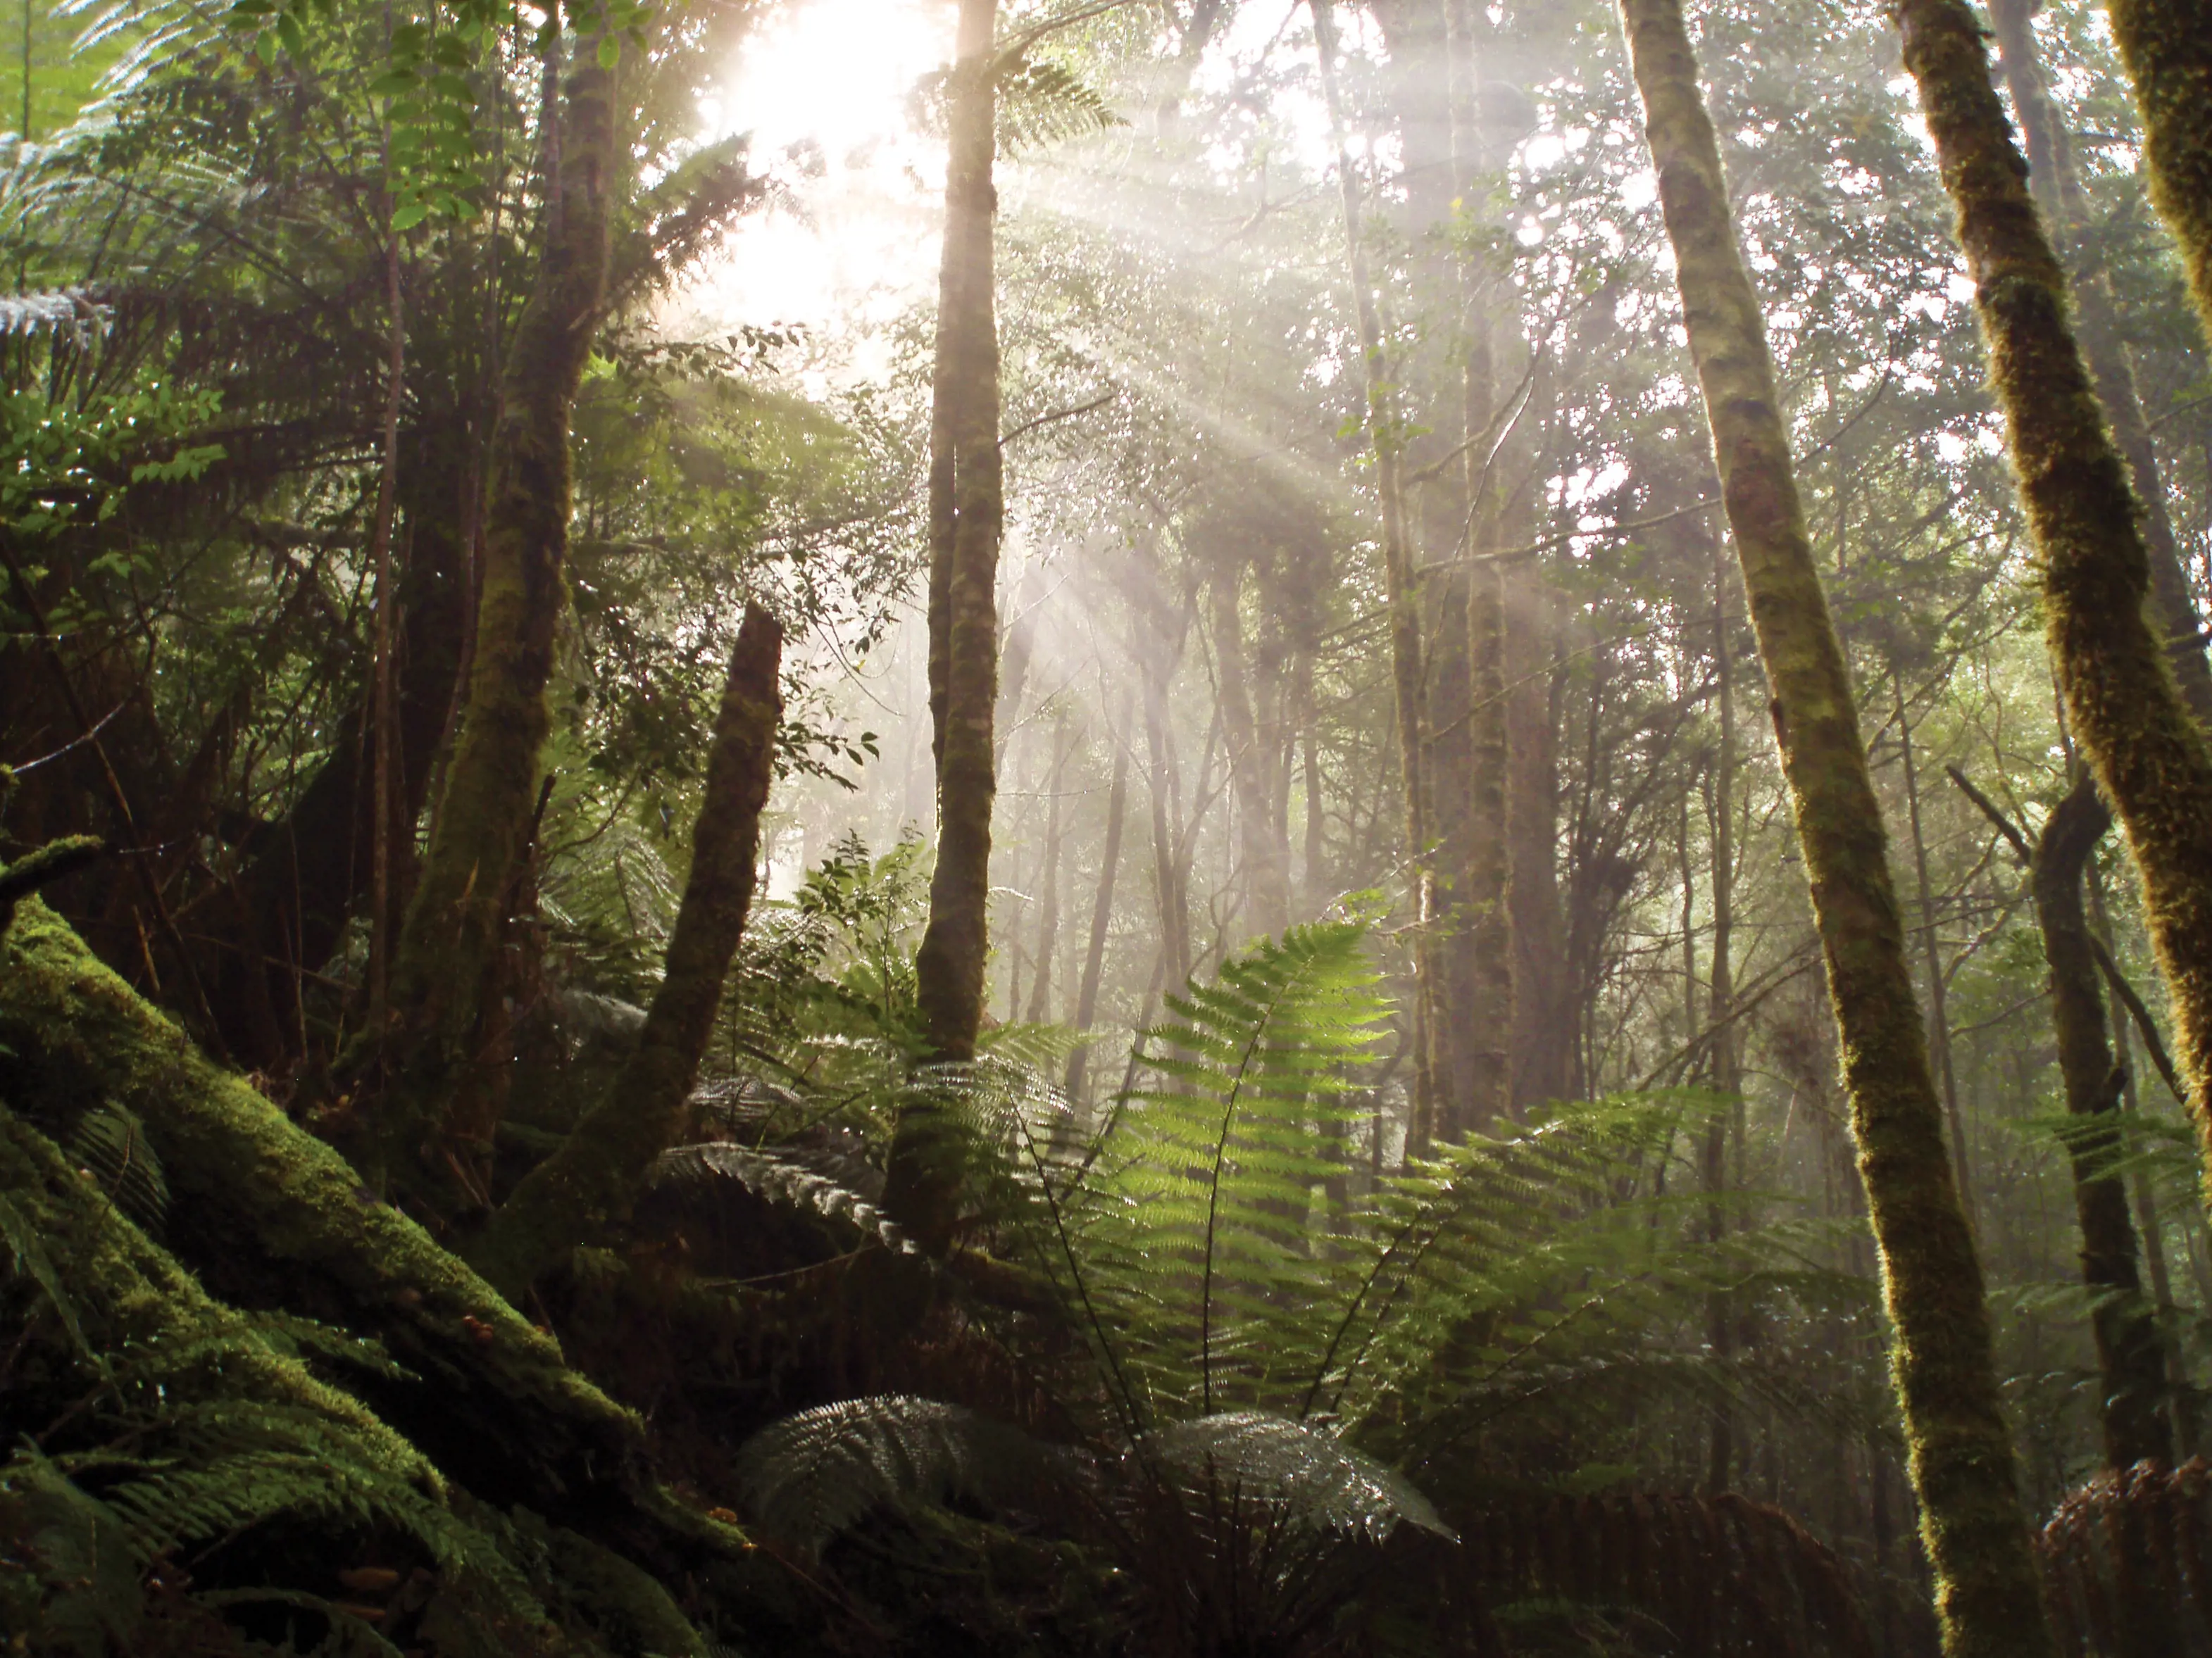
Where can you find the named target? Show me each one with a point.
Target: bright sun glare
(823, 92)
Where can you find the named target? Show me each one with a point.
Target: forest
(1063, 828)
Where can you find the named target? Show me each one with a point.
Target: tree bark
(2129, 1350)
(1939, 1011)
(2121, 704)
(2167, 46)
(1101, 907)
(1385, 442)
(2056, 182)
(966, 518)
(1988, 1595)
(454, 926)
(1040, 1006)
(568, 1198)
(1266, 873)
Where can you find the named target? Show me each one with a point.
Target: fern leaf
(1307, 1474)
(813, 1475)
(778, 1180)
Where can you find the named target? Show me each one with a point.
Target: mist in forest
(1172, 826)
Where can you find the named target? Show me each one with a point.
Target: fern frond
(1307, 1475)
(780, 1180)
(813, 1475)
(1045, 100)
(110, 1143)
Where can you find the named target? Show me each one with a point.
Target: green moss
(278, 1218)
(2167, 46)
(1962, 1465)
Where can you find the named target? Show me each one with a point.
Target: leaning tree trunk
(2150, 755)
(567, 1198)
(2167, 46)
(966, 516)
(1988, 1596)
(2056, 181)
(454, 926)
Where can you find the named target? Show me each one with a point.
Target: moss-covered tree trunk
(1386, 443)
(1988, 1597)
(455, 924)
(2129, 1355)
(594, 1174)
(2150, 754)
(966, 518)
(2056, 181)
(2167, 46)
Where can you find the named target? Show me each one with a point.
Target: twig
(2141, 1015)
(1058, 415)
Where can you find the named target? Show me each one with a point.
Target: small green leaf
(610, 51)
(408, 215)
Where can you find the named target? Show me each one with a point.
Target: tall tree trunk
(1102, 907)
(1988, 1593)
(1165, 796)
(2150, 755)
(1040, 1007)
(591, 1178)
(966, 518)
(1266, 873)
(1484, 873)
(1385, 442)
(1542, 1034)
(2128, 1352)
(455, 926)
(2056, 182)
(1939, 1011)
(1725, 1071)
(2167, 46)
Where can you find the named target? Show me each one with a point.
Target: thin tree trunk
(1040, 1008)
(1101, 907)
(1267, 877)
(454, 926)
(2148, 1224)
(384, 731)
(2121, 704)
(966, 516)
(1540, 1032)
(1724, 1072)
(1167, 811)
(1988, 1593)
(1485, 876)
(2167, 46)
(591, 1178)
(2129, 1350)
(2056, 181)
(1385, 440)
(1939, 1015)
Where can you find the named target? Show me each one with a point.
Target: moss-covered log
(569, 1196)
(273, 1219)
(1988, 1597)
(2150, 755)
(171, 1420)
